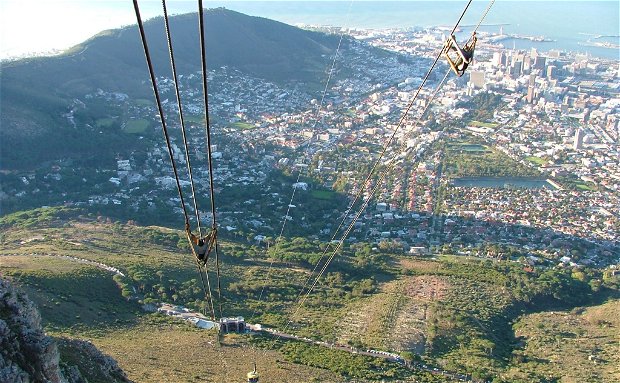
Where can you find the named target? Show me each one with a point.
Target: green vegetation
(41, 217)
(582, 338)
(536, 160)
(339, 362)
(467, 160)
(35, 103)
(136, 126)
(575, 183)
(242, 126)
(456, 313)
(160, 349)
(481, 107)
(105, 122)
(323, 194)
(585, 187)
(70, 296)
(467, 147)
(470, 329)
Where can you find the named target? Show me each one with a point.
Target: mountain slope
(36, 92)
(114, 59)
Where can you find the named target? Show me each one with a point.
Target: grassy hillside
(586, 339)
(488, 319)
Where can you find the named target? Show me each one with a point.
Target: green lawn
(483, 124)
(536, 160)
(104, 122)
(242, 126)
(584, 187)
(470, 147)
(465, 159)
(136, 126)
(322, 194)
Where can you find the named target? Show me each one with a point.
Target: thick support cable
(207, 288)
(209, 296)
(398, 126)
(285, 219)
(219, 279)
(352, 224)
(484, 15)
(167, 137)
(362, 209)
(181, 117)
(374, 190)
(372, 171)
(203, 56)
(384, 174)
(159, 106)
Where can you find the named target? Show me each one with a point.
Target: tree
(268, 241)
(408, 357)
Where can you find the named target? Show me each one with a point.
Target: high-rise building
(515, 70)
(497, 59)
(550, 71)
(527, 65)
(477, 79)
(578, 141)
(504, 58)
(530, 94)
(539, 63)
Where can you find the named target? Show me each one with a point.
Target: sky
(43, 26)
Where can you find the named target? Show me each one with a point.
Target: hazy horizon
(26, 31)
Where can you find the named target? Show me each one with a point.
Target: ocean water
(570, 23)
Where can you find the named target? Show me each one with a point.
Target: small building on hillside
(418, 250)
(232, 325)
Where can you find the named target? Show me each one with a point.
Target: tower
(578, 141)
(477, 79)
(530, 95)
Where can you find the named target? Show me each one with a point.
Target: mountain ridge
(36, 92)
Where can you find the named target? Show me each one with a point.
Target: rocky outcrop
(28, 355)
(92, 361)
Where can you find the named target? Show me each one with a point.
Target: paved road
(391, 357)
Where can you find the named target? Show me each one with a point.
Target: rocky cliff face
(28, 355)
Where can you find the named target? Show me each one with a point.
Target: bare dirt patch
(426, 288)
(396, 318)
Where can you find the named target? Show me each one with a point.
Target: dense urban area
(519, 156)
(477, 205)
